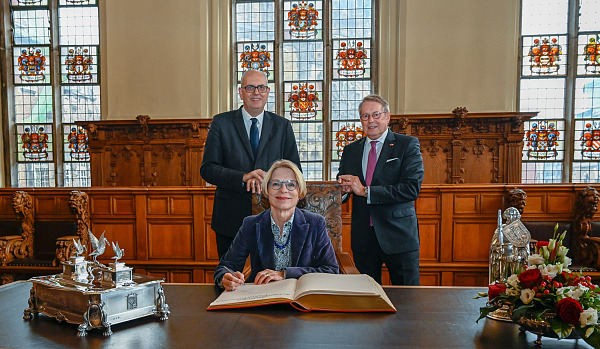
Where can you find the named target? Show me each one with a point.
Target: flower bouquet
(548, 292)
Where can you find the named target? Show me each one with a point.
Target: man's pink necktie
(371, 162)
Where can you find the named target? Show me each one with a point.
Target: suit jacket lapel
(238, 122)
(386, 150)
(299, 233)
(359, 156)
(264, 233)
(265, 133)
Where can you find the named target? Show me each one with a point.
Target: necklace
(281, 247)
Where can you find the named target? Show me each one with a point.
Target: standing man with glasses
(384, 171)
(241, 145)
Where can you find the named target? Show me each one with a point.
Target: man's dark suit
(395, 186)
(228, 156)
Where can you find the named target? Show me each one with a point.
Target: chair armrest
(346, 263)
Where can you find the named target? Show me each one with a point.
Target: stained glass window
(318, 56)
(49, 149)
(562, 144)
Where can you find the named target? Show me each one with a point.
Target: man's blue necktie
(254, 136)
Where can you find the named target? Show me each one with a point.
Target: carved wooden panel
(121, 231)
(429, 236)
(462, 148)
(472, 241)
(146, 152)
(170, 240)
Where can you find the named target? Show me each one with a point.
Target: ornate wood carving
(587, 248)
(146, 152)
(477, 147)
(79, 203)
(19, 246)
(516, 198)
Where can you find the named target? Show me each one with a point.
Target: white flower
(527, 295)
(564, 292)
(512, 292)
(535, 259)
(551, 270)
(513, 280)
(567, 261)
(588, 317)
(578, 291)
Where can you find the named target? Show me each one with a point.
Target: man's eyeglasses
(260, 88)
(276, 184)
(375, 115)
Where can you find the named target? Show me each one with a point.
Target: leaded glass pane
(544, 140)
(309, 137)
(79, 64)
(17, 3)
(589, 13)
(544, 17)
(80, 103)
(351, 19)
(352, 59)
(31, 27)
(303, 100)
(303, 19)
(33, 104)
(542, 172)
(588, 54)
(34, 142)
(35, 174)
(31, 64)
(303, 60)
(544, 95)
(544, 55)
(255, 21)
(586, 172)
(75, 143)
(345, 98)
(587, 119)
(77, 2)
(77, 174)
(78, 26)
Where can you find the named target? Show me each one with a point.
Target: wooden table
(427, 317)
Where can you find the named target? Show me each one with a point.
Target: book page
(342, 284)
(255, 293)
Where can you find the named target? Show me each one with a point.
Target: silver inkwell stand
(93, 295)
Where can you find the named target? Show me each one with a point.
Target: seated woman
(283, 241)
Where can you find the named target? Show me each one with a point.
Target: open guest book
(314, 291)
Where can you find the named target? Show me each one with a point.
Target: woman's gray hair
(292, 166)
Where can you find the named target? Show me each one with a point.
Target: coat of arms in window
(35, 144)
(78, 143)
(303, 101)
(542, 140)
(78, 65)
(544, 56)
(303, 20)
(256, 56)
(346, 135)
(32, 65)
(590, 141)
(351, 60)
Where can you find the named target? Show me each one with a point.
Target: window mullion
(570, 91)
(56, 93)
(327, 77)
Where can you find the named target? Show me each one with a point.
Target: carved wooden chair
(53, 239)
(16, 240)
(324, 198)
(586, 246)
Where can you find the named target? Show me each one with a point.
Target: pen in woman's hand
(233, 273)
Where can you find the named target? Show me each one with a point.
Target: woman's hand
(268, 275)
(232, 281)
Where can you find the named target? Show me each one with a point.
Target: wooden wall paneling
(165, 156)
(469, 279)
(141, 227)
(479, 161)
(430, 279)
(117, 230)
(429, 235)
(560, 203)
(491, 203)
(437, 154)
(185, 276)
(472, 239)
(446, 227)
(199, 229)
(170, 239)
(199, 276)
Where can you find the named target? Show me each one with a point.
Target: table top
(427, 317)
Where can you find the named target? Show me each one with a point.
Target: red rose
(569, 310)
(530, 277)
(496, 289)
(541, 244)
